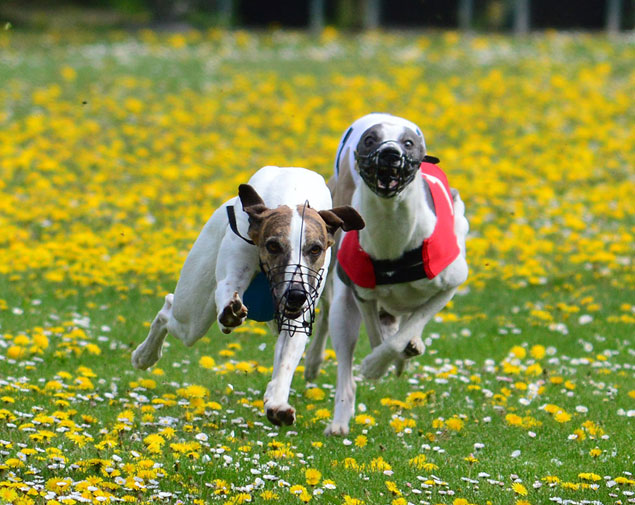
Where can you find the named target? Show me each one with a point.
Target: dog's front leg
(370, 316)
(235, 268)
(287, 356)
(344, 322)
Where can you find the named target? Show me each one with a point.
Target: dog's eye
(408, 143)
(273, 247)
(369, 141)
(316, 250)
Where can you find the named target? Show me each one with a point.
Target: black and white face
(293, 247)
(387, 154)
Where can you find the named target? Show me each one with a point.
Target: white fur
(221, 264)
(393, 226)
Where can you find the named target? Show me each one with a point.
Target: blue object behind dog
(258, 299)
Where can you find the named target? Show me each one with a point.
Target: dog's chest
(401, 298)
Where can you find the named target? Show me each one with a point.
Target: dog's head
(292, 245)
(388, 157)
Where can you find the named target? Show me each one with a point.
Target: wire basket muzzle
(386, 171)
(295, 290)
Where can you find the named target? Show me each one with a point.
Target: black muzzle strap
(386, 175)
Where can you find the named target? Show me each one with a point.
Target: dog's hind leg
(344, 322)
(149, 351)
(407, 342)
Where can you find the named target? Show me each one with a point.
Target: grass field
(115, 149)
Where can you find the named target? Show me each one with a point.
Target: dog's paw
(283, 415)
(232, 315)
(144, 357)
(336, 429)
(415, 347)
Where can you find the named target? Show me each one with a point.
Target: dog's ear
(345, 217)
(255, 208)
(253, 205)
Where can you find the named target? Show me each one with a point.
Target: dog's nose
(390, 156)
(296, 297)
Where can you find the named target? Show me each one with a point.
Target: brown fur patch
(315, 234)
(272, 226)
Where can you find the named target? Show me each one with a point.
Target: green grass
(480, 354)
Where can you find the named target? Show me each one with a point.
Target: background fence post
(466, 9)
(521, 17)
(316, 16)
(613, 15)
(372, 9)
(225, 12)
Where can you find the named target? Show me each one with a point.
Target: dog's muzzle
(387, 170)
(294, 308)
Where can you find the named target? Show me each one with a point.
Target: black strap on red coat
(407, 268)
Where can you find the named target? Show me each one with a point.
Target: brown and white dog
(281, 233)
(403, 267)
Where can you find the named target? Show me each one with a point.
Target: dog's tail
(461, 224)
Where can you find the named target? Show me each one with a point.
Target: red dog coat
(436, 253)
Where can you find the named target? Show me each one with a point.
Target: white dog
(268, 252)
(404, 266)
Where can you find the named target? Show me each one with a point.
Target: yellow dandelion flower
(538, 351)
(455, 424)
(312, 476)
(392, 487)
(148, 383)
(16, 352)
(315, 394)
(207, 362)
(514, 419)
(518, 488)
(518, 351)
(418, 461)
(562, 417)
(297, 489)
(365, 419)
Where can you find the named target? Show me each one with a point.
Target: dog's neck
(395, 225)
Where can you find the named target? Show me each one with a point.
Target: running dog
(263, 259)
(404, 266)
